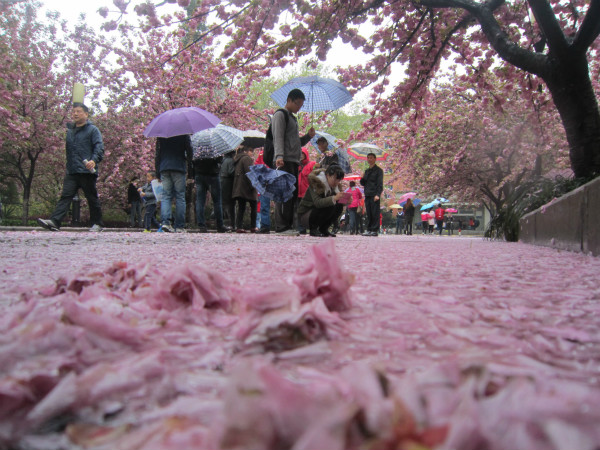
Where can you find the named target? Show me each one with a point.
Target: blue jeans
(204, 183)
(265, 212)
(149, 218)
(173, 187)
(353, 213)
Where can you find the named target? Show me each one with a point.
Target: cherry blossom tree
(541, 47)
(475, 149)
(33, 90)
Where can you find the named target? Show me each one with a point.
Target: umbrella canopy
(415, 202)
(178, 121)
(395, 206)
(352, 177)
(361, 150)
(322, 94)
(215, 142)
(406, 196)
(331, 140)
(278, 185)
(254, 138)
(451, 210)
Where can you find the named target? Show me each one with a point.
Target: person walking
(135, 202)
(173, 160)
(84, 149)
(409, 216)
(353, 207)
(207, 178)
(265, 203)
(226, 175)
(439, 217)
(304, 170)
(287, 145)
(372, 180)
(399, 221)
(147, 195)
(425, 221)
(243, 191)
(431, 220)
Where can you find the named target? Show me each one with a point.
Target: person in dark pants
(372, 180)
(207, 178)
(319, 207)
(172, 162)
(288, 152)
(226, 174)
(85, 150)
(147, 194)
(133, 199)
(243, 191)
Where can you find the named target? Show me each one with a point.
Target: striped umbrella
(216, 141)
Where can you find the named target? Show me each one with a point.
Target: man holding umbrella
(173, 160)
(287, 145)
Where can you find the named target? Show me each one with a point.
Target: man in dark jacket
(173, 156)
(207, 178)
(372, 180)
(85, 150)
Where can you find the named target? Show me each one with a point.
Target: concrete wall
(569, 223)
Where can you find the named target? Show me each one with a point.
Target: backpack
(269, 148)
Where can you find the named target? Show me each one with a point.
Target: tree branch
(557, 42)
(590, 28)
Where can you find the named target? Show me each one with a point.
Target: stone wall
(571, 222)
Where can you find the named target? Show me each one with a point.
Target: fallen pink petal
(219, 341)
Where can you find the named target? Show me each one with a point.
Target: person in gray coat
(287, 145)
(85, 150)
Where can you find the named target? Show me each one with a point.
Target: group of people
(437, 217)
(317, 202)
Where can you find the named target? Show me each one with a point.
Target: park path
(431, 312)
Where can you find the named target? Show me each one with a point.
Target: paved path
(424, 306)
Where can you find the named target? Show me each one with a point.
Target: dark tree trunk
(574, 97)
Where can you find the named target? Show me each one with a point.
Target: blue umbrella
(330, 140)
(216, 141)
(322, 94)
(415, 202)
(178, 121)
(278, 185)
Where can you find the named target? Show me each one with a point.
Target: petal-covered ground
(211, 341)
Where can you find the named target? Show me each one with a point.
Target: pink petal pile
(186, 356)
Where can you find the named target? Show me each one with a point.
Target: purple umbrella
(178, 121)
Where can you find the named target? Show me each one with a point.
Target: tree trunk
(26, 196)
(571, 88)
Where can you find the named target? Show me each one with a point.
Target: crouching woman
(320, 207)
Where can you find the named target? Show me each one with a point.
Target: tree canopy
(544, 47)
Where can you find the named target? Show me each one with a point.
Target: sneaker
(180, 230)
(146, 231)
(166, 229)
(316, 233)
(202, 230)
(223, 229)
(264, 230)
(96, 228)
(48, 224)
(241, 230)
